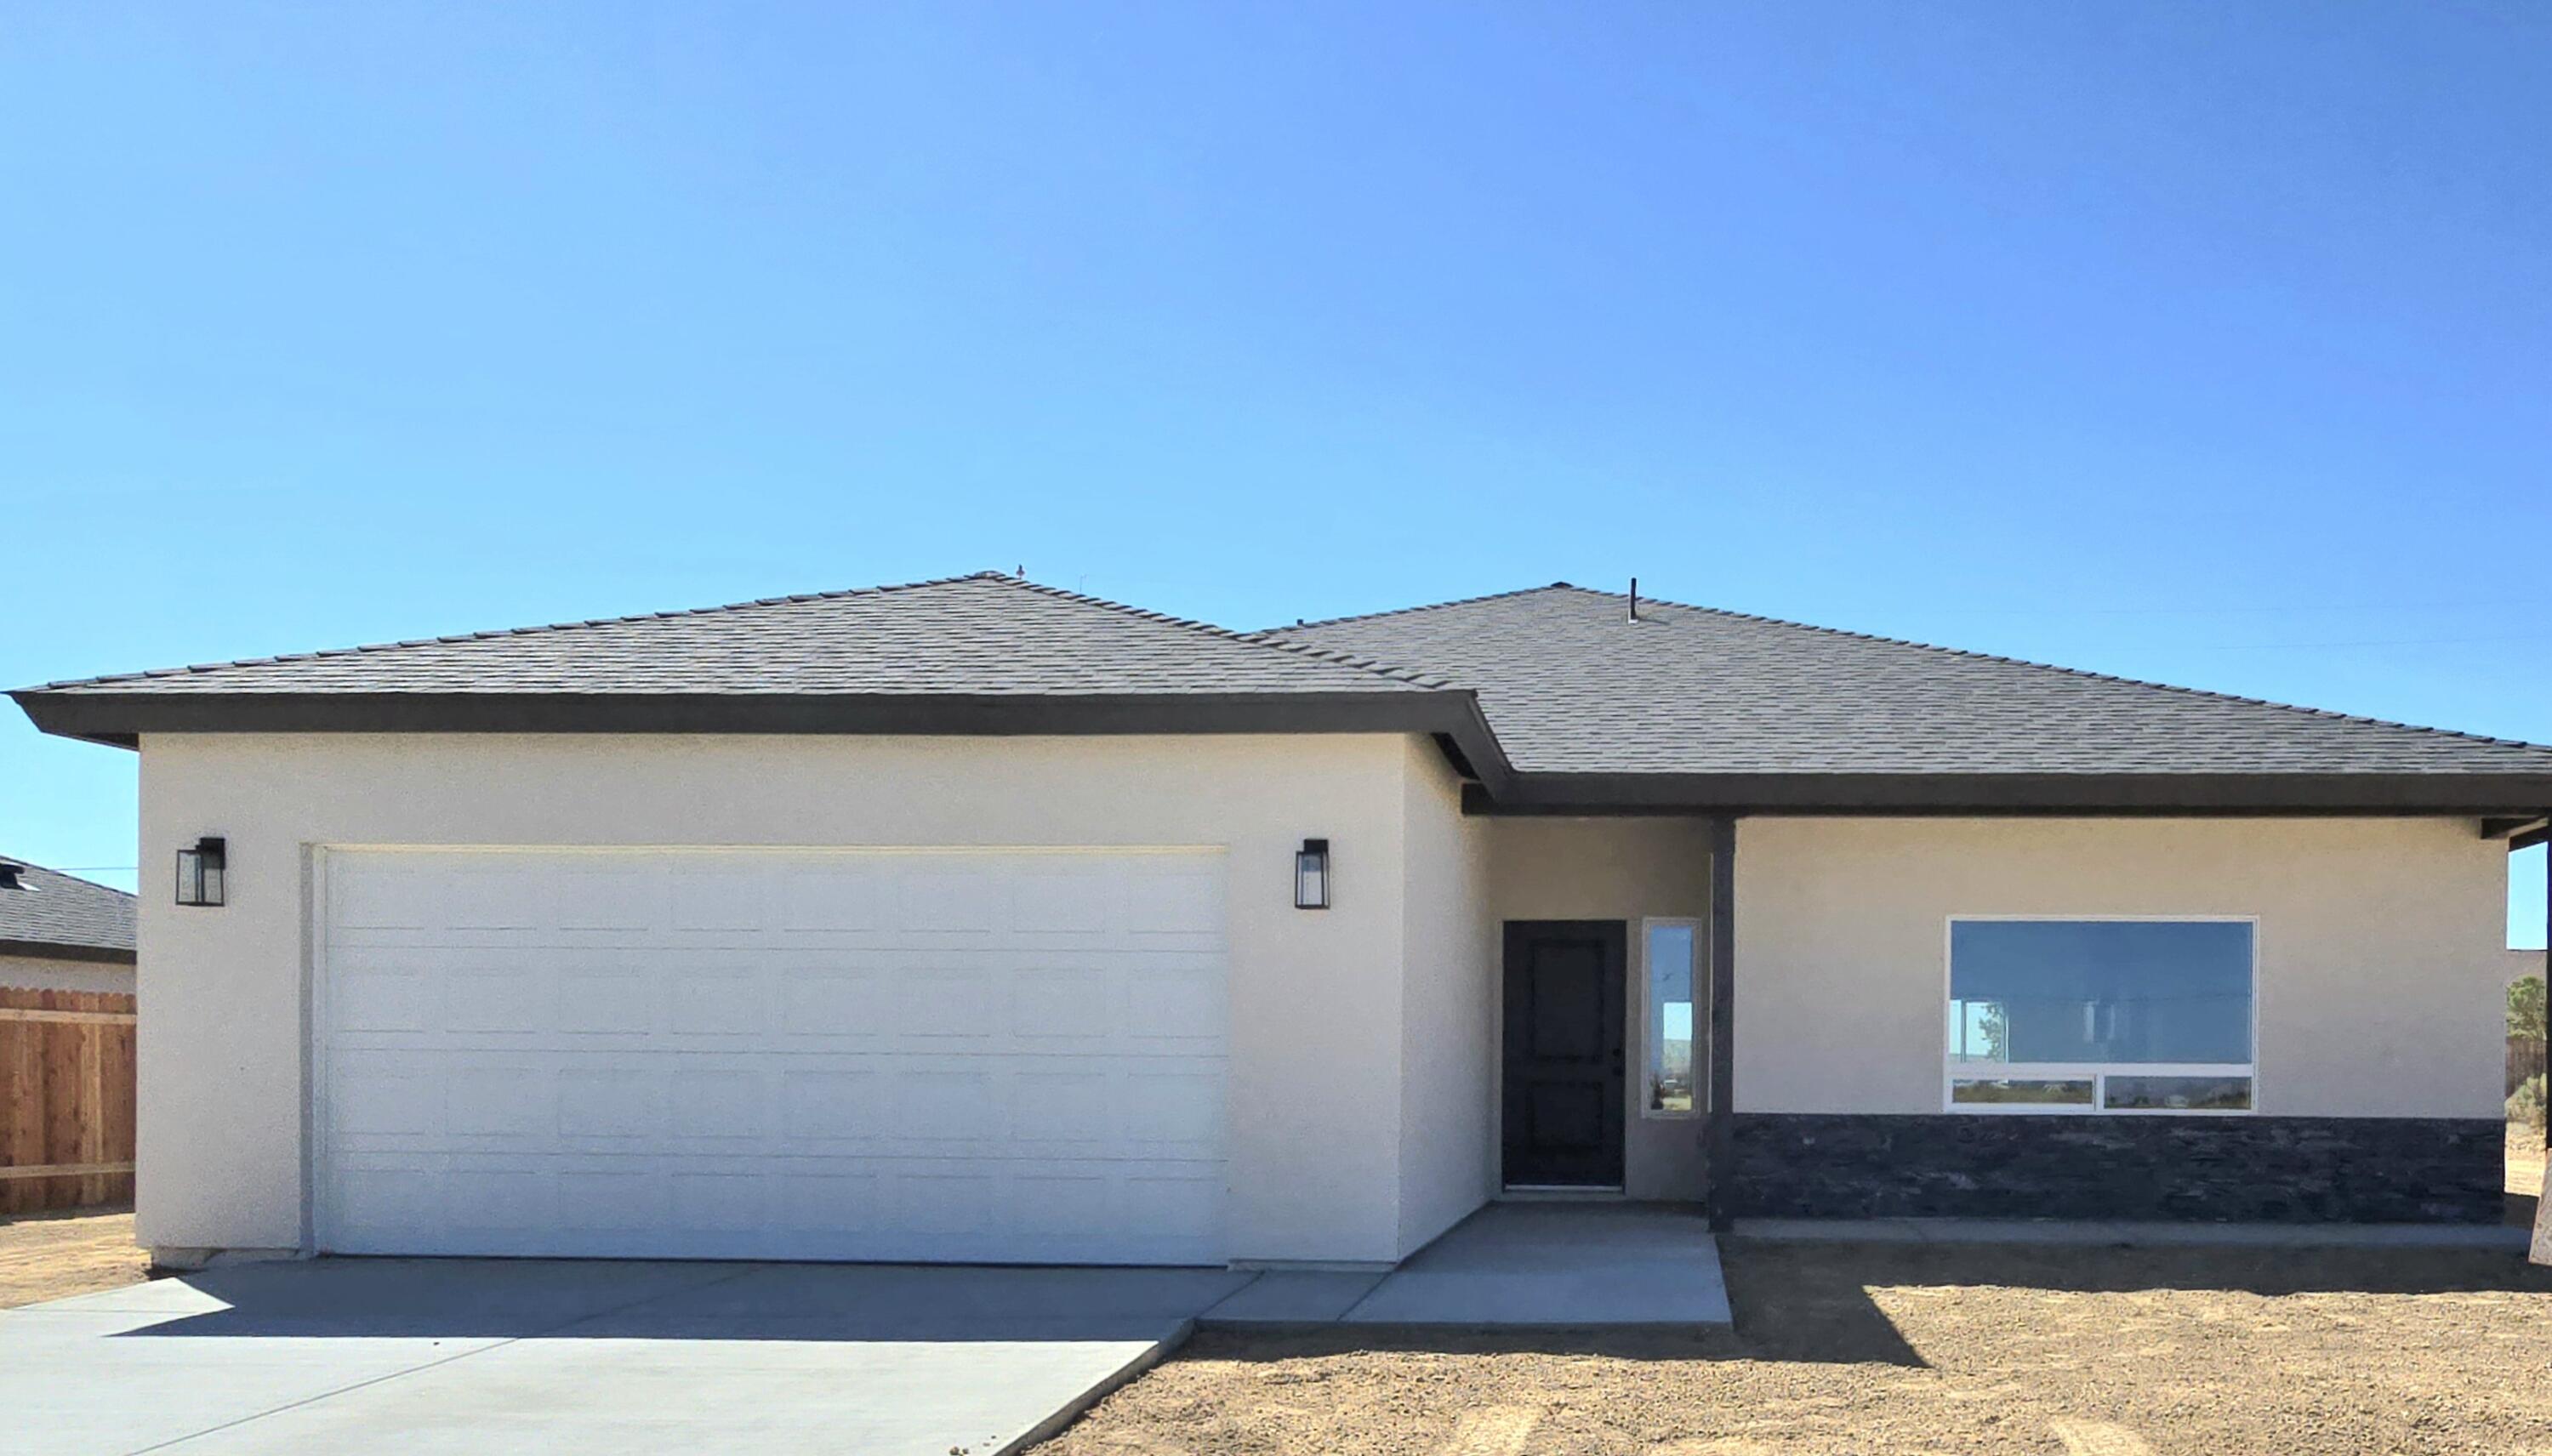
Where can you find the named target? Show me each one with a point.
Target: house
(62, 933)
(979, 920)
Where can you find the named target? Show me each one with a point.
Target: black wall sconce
(203, 873)
(1311, 876)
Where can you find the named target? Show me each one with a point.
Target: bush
(2526, 1103)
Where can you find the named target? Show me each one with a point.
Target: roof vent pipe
(1635, 598)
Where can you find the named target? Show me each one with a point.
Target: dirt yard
(52, 1256)
(1907, 1349)
(2525, 1159)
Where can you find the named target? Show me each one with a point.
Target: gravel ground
(1905, 1349)
(53, 1256)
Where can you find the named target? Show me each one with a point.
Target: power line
(2378, 641)
(2204, 611)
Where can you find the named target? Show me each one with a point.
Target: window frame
(1652, 1036)
(2096, 1073)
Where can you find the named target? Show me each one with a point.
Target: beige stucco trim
(2378, 992)
(1614, 868)
(1314, 1097)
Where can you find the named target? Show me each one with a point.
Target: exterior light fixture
(1311, 876)
(203, 873)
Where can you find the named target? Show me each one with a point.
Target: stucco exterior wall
(1449, 1019)
(1315, 997)
(2381, 972)
(46, 973)
(1618, 870)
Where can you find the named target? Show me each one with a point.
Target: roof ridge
(494, 633)
(1405, 611)
(1411, 676)
(2082, 672)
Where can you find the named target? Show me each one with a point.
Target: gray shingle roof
(51, 908)
(1550, 697)
(1570, 685)
(980, 635)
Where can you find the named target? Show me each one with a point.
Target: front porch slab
(1293, 1297)
(1558, 1263)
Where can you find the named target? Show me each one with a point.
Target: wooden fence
(2524, 1059)
(65, 1099)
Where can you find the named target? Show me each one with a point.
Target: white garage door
(900, 1055)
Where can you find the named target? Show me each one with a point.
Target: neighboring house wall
(1316, 997)
(1624, 869)
(44, 972)
(1449, 1025)
(2380, 995)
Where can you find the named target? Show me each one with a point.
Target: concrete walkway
(1580, 1265)
(473, 1356)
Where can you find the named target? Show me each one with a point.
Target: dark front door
(1563, 1053)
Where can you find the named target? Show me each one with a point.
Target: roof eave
(55, 950)
(2142, 793)
(120, 719)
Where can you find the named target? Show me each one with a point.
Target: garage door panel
(389, 1102)
(1058, 906)
(475, 900)
(612, 1201)
(849, 899)
(498, 998)
(602, 998)
(836, 1002)
(732, 895)
(719, 1203)
(610, 1104)
(831, 1110)
(1173, 1113)
(384, 994)
(794, 1062)
(608, 899)
(904, 1209)
(714, 1105)
(947, 898)
(1064, 1110)
(1070, 1003)
(937, 1002)
(515, 1103)
(1175, 1005)
(812, 1207)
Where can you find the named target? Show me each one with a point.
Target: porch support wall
(2542, 1252)
(1719, 1126)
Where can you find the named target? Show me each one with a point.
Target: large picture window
(2100, 1015)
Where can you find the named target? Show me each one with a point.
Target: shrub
(2526, 1103)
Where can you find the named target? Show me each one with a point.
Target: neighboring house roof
(59, 917)
(1551, 697)
(1574, 688)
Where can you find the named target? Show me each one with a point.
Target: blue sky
(2189, 342)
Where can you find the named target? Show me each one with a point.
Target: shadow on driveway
(504, 1298)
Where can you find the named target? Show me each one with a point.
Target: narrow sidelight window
(2132, 1016)
(1668, 949)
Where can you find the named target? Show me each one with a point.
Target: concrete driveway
(479, 1356)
